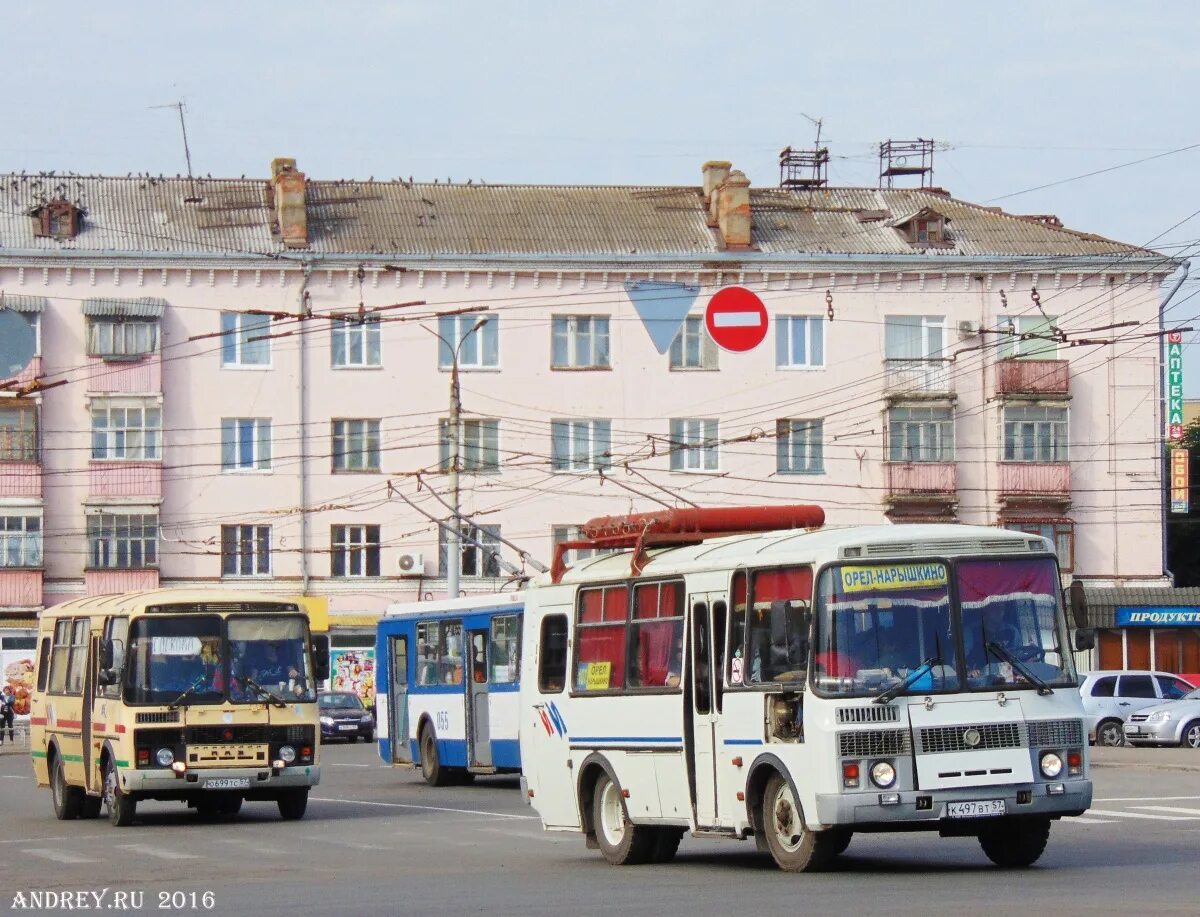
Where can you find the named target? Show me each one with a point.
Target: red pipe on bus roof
(705, 521)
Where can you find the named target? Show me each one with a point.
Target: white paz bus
(798, 685)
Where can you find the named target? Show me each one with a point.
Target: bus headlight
(164, 757)
(883, 774)
(1051, 765)
(287, 754)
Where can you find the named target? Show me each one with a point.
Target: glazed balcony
(1033, 377)
(1027, 482)
(125, 479)
(918, 380)
(20, 588)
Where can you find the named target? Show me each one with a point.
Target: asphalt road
(377, 840)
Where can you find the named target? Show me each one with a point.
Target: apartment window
(479, 549)
(18, 432)
(692, 347)
(799, 342)
(246, 444)
(122, 541)
(244, 340)
(354, 550)
(1013, 342)
(1035, 434)
(126, 429)
(356, 445)
(1060, 532)
(799, 446)
(580, 445)
(694, 445)
(20, 540)
(478, 445)
(245, 550)
(478, 347)
(920, 434)
(115, 340)
(561, 533)
(355, 341)
(914, 337)
(579, 342)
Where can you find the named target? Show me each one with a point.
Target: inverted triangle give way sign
(662, 307)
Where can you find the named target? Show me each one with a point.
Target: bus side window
(116, 630)
(78, 658)
(718, 641)
(59, 656)
(552, 658)
(43, 664)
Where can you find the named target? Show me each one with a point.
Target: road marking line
(1171, 809)
(160, 852)
(402, 805)
(341, 843)
(258, 846)
(17, 776)
(74, 837)
(1143, 798)
(1082, 820)
(59, 856)
(1141, 815)
(339, 764)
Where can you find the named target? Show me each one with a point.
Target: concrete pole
(453, 547)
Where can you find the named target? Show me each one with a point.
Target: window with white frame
(694, 445)
(579, 342)
(1060, 532)
(127, 429)
(477, 347)
(20, 539)
(479, 550)
(355, 445)
(478, 445)
(799, 446)
(118, 339)
(246, 444)
(245, 550)
(580, 445)
(1029, 337)
(354, 550)
(799, 342)
(355, 341)
(561, 533)
(1035, 433)
(920, 434)
(18, 432)
(914, 337)
(244, 340)
(122, 540)
(692, 347)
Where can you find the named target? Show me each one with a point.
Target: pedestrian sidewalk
(19, 744)
(1168, 759)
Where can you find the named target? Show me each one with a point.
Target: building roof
(232, 217)
(1103, 602)
(146, 307)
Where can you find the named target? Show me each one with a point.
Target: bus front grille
(934, 740)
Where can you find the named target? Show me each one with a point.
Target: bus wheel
(68, 800)
(622, 842)
(292, 804)
(792, 845)
(121, 807)
(431, 765)
(1016, 842)
(666, 843)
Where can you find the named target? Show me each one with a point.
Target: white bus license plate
(227, 783)
(347, 728)
(975, 809)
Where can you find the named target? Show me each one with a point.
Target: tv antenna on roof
(805, 169)
(181, 107)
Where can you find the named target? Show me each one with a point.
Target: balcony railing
(1033, 377)
(1035, 480)
(20, 588)
(20, 479)
(106, 582)
(923, 379)
(922, 480)
(125, 479)
(32, 371)
(140, 376)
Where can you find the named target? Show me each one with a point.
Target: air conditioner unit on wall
(411, 564)
(967, 328)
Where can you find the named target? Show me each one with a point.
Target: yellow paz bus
(202, 696)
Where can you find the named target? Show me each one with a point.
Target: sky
(1017, 95)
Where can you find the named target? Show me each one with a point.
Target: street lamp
(453, 543)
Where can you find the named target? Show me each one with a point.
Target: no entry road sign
(736, 319)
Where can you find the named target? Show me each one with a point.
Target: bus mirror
(106, 677)
(1077, 602)
(320, 651)
(1085, 638)
(106, 656)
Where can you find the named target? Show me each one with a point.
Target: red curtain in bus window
(979, 579)
(659, 652)
(616, 603)
(591, 606)
(599, 645)
(739, 591)
(775, 585)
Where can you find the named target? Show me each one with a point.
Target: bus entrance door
(479, 752)
(700, 720)
(89, 701)
(401, 748)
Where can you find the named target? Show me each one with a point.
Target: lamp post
(453, 543)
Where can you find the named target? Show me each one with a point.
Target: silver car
(1175, 722)
(1110, 697)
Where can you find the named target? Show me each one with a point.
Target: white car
(1111, 697)
(1175, 722)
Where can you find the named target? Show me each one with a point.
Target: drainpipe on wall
(303, 396)
(1162, 412)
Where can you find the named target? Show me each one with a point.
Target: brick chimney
(715, 172)
(291, 214)
(733, 210)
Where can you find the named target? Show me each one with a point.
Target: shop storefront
(1147, 629)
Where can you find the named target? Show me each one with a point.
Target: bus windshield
(269, 657)
(879, 624)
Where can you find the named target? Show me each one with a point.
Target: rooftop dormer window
(925, 227)
(57, 219)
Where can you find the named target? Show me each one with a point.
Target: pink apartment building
(247, 382)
